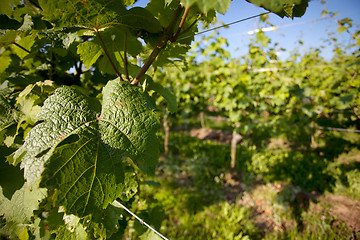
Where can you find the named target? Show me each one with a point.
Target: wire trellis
(225, 25)
(119, 205)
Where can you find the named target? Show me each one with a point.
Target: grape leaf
(84, 149)
(26, 42)
(62, 114)
(85, 14)
(77, 232)
(7, 114)
(163, 91)
(130, 186)
(114, 40)
(109, 225)
(128, 2)
(149, 235)
(11, 178)
(8, 23)
(97, 14)
(133, 117)
(5, 60)
(162, 11)
(89, 52)
(174, 54)
(138, 18)
(8, 38)
(288, 8)
(219, 5)
(22, 204)
(5, 6)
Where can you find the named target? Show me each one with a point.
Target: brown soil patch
(266, 211)
(346, 209)
(352, 156)
(278, 143)
(210, 134)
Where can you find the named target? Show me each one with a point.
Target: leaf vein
(66, 162)
(132, 144)
(94, 175)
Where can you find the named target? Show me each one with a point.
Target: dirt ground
(347, 210)
(209, 134)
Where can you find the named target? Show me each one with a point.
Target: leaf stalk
(107, 54)
(173, 39)
(167, 35)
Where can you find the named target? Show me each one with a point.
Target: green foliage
(205, 6)
(227, 221)
(75, 148)
(304, 170)
(22, 203)
(286, 111)
(82, 146)
(319, 226)
(11, 179)
(82, 149)
(195, 190)
(164, 92)
(288, 8)
(346, 170)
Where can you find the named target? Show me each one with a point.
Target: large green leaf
(99, 14)
(80, 151)
(131, 123)
(138, 18)
(204, 5)
(288, 8)
(114, 40)
(86, 14)
(63, 114)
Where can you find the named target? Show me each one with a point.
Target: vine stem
(16, 44)
(118, 204)
(39, 56)
(126, 59)
(173, 39)
(167, 35)
(35, 4)
(107, 54)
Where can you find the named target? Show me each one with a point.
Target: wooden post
(236, 138)
(202, 119)
(167, 133)
(313, 141)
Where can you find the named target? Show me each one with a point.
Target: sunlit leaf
(22, 204)
(219, 5)
(82, 150)
(288, 8)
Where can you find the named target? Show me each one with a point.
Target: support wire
(225, 25)
(118, 204)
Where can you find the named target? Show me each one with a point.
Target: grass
(272, 194)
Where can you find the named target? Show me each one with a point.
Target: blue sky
(311, 28)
